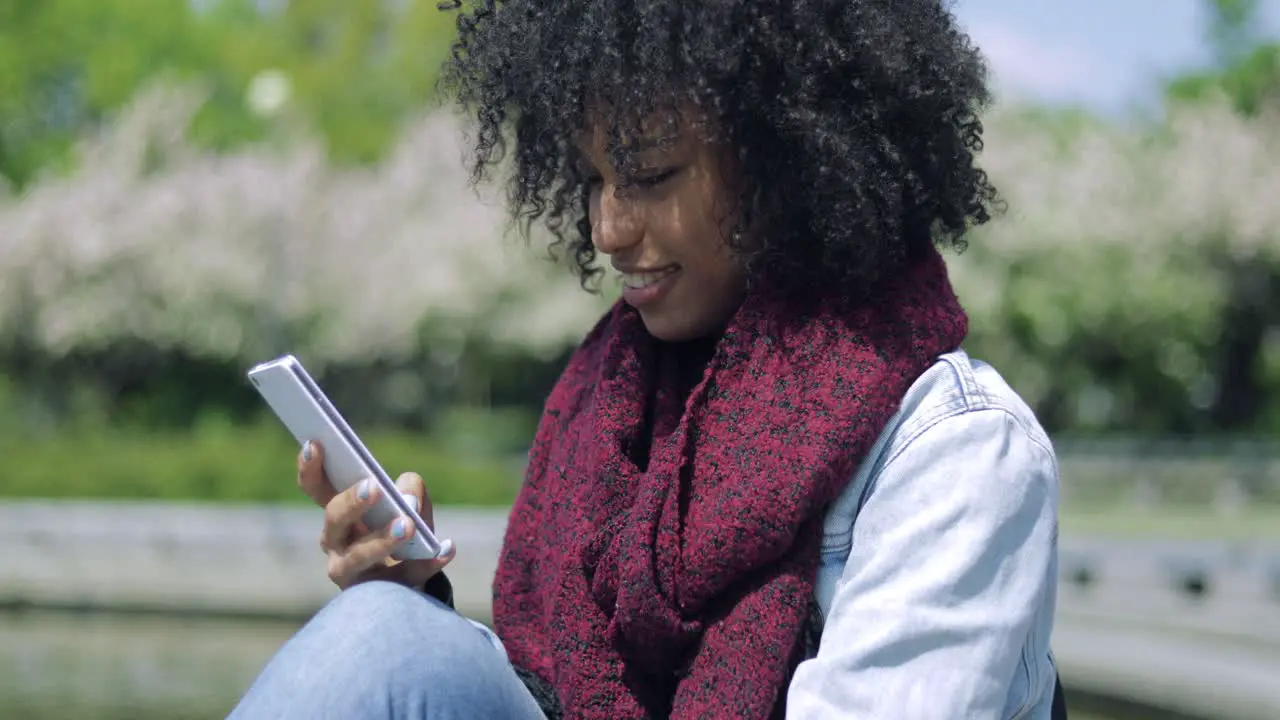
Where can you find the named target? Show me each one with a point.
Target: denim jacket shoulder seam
(967, 395)
(956, 399)
(953, 412)
(962, 369)
(944, 412)
(971, 388)
(964, 394)
(1034, 434)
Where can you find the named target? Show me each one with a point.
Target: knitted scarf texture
(660, 558)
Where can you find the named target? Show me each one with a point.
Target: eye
(652, 180)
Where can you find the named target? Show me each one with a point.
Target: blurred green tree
(64, 64)
(1247, 73)
(355, 70)
(1246, 65)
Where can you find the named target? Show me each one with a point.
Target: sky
(1107, 55)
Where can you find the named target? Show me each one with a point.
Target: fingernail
(399, 528)
(365, 491)
(411, 500)
(306, 451)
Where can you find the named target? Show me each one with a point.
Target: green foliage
(225, 462)
(1132, 284)
(1232, 26)
(1246, 70)
(356, 70)
(1251, 83)
(1181, 523)
(66, 64)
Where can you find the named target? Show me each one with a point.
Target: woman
(769, 482)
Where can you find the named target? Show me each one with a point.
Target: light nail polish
(398, 528)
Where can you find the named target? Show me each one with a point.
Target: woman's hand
(355, 554)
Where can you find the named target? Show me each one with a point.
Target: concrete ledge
(260, 561)
(1167, 672)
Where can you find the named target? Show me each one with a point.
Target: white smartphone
(307, 413)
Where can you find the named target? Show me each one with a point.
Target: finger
(311, 477)
(415, 573)
(342, 514)
(415, 490)
(369, 553)
(411, 573)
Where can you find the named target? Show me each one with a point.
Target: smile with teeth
(638, 281)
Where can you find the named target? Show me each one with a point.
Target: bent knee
(382, 598)
(379, 645)
(384, 611)
(402, 625)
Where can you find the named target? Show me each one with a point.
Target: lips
(644, 289)
(638, 280)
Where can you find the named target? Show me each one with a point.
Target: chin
(667, 328)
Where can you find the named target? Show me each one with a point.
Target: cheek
(717, 270)
(714, 227)
(702, 222)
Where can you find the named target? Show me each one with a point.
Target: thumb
(413, 490)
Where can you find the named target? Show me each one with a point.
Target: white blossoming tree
(1106, 295)
(1109, 292)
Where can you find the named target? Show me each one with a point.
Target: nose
(615, 223)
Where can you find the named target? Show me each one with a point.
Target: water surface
(56, 666)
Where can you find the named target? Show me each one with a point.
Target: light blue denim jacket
(939, 563)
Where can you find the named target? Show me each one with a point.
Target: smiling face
(664, 226)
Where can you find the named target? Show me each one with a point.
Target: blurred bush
(219, 461)
(163, 271)
(1133, 284)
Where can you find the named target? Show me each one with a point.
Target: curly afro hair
(854, 122)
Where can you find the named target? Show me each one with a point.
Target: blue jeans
(380, 650)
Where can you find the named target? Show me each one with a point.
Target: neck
(691, 358)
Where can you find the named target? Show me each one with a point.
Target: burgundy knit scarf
(661, 556)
